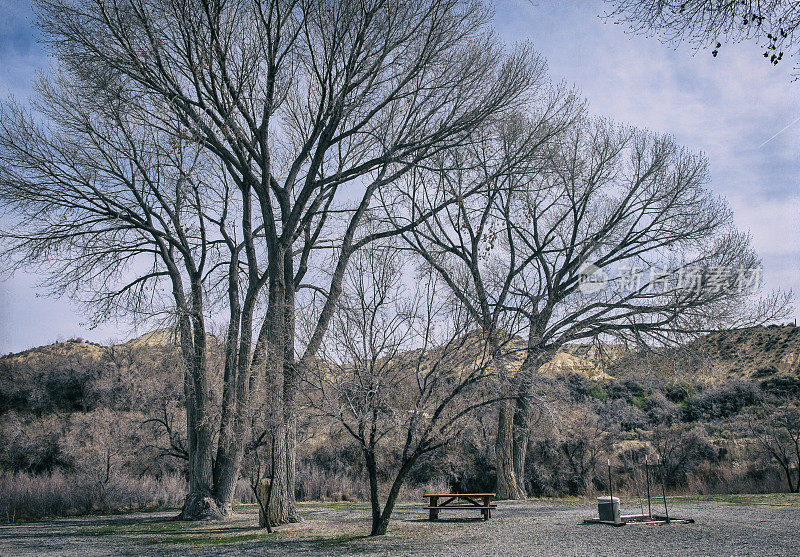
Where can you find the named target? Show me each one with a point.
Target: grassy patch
(153, 527)
(743, 499)
(211, 539)
(99, 530)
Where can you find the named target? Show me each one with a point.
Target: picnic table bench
(463, 501)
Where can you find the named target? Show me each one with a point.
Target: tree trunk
(372, 473)
(200, 503)
(275, 408)
(521, 425)
(226, 463)
(522, 408)
(290, 384)
(380, 525)
(267, 512)
(279, 506)
(507, 484)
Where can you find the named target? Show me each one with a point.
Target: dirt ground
(725, 525)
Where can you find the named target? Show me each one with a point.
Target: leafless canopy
(705, 23)
(210, 154)
(601, 231)
(402, 370)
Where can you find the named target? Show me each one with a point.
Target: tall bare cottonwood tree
(607, 202)
(308, 109)
(126, 217)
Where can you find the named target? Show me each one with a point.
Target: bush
(784, 387)
(619, 415)
(597, 391)
(577, 386)
(660, 410)
(679, 393)
(721, 402)
(34, 446)
(765, 371)
(629, 390)
(28, 496)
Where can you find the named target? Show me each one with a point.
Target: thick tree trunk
(507, 483)
(291, 467)
(280, 511)
(521, 421)
(278, 337)
(234, 399)
(272, 370)
(268, 380)
(536, 355)
(521, 425)
(200, 503)
(290, 385)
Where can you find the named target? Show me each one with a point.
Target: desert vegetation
(118, 442)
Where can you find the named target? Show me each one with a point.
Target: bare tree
(457, 240)
(777, 429)
(118, 213)
(772, 23)
(303, 110)
(610, 234)
(680, 448)
(398, 404)
(581, 440)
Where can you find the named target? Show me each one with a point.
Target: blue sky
(728, 108)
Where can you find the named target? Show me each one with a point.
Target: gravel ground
(730, 526)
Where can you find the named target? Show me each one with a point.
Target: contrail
(780, 132)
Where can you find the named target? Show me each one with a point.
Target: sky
(739, 111)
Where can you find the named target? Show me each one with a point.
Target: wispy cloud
(721, 106)
(783, 129)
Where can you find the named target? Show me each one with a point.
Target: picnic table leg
(434, 514)
(487, 512)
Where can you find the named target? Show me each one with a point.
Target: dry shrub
(733, 478)
(244, 493)
(315, 483)
(417, 492)
(27, 496)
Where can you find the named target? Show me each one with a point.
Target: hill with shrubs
(91, 428)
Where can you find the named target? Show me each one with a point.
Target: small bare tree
(777, 429)
(401, 373)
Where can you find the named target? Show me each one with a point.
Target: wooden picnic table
(463, 501)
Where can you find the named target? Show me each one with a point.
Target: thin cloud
(789, 125)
